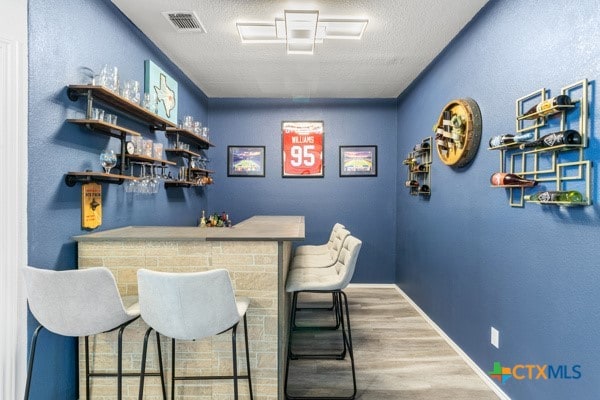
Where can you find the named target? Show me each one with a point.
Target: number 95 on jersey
(302, 149)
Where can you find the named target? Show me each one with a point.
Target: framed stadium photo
(358, 161)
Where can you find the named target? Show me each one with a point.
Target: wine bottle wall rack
(561, 167)
(418, 162)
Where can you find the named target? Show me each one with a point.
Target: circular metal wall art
(458, 132)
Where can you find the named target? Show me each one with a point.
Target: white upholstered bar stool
(80, 303)
(192, 306)
(322, 260)
(325, 280)
(320, 248)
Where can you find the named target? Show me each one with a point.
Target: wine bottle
(570, 196)
(548, 107)
(569, 136)
(418, 168)
(421, 146)
(411, 183)
(502, 140)
(424, 189)
(504, 179)
(409, 161)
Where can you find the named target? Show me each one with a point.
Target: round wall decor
(458, 132)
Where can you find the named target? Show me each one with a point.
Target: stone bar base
(257, 269)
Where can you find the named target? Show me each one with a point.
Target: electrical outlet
(495, 338)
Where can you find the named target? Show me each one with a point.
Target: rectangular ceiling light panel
(258, 33)
(300, 31)
(343, 28)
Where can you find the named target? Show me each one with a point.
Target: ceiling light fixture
(300, 30)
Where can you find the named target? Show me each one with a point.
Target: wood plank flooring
(398, 355)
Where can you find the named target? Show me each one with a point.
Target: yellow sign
(91, 205)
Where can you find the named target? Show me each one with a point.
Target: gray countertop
(260, 227)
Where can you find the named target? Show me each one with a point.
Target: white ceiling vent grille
(184, 21)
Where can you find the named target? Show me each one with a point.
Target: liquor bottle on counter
(202, 223)
(548, 107)
(502, 140)
(411, 184)
(504, 179)
(568, 196)
(569, 136)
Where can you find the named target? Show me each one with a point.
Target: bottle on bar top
(569, 136)
(505, 179)
(502, 140)
(548, 107)
(202, 223)
(549, 196)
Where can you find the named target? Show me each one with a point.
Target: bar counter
(256, 252)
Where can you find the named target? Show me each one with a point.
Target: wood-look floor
(398, 355)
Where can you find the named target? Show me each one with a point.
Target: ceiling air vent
(184, 21)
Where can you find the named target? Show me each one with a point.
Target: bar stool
(321, 248)
(80, 303)
(192, 306)
(325, 280)
(322, 260)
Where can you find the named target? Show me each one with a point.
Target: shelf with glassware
(194, 171)
(95, 121)
(548, 148)
(418, 162)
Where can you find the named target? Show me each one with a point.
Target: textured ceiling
(401, 39)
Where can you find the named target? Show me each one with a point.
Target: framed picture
(358, 161)
(246, 161)
(160, 83)
(302, 149)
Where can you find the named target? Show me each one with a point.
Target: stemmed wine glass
(108, 159)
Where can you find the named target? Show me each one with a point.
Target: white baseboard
(485, 377)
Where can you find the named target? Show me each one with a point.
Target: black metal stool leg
(172, 369)
(143, 370)
(248, 357)
(343, 315)
(160, 366)
(31, 357)
(234, 351)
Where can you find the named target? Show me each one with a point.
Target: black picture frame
(246, 161)
(356, 161)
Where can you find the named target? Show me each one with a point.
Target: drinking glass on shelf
(147, 147)
(157, 150)
(197, 128)
(108, 159)
(188, 122)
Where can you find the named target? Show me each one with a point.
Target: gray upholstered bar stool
(80, 303)
(325, 280)
(320, 248)
(192, 306)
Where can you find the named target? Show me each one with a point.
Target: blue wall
(365, 205)
(466, 257)
(65, 38)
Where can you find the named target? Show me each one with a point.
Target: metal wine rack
(419, 168)
(563, 166)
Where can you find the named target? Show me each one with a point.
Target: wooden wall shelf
(72, 178)
(113, 100)
(104, 127)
